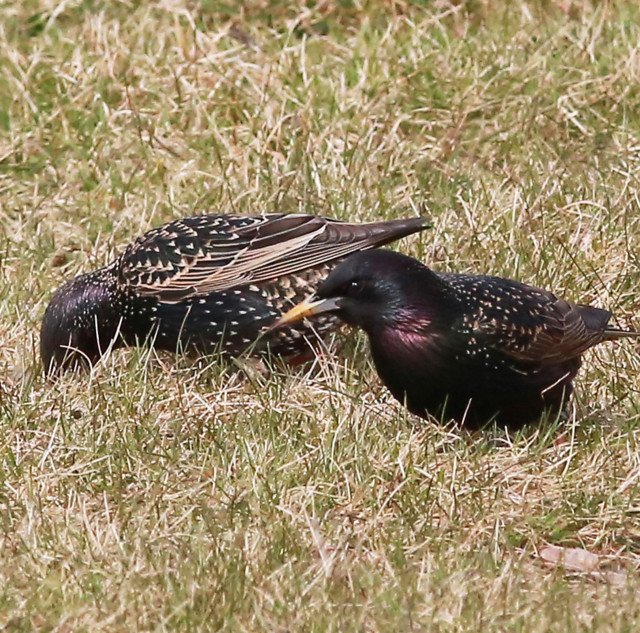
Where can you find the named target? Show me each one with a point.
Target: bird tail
(612, 333)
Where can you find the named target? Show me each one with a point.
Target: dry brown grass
(163, 494)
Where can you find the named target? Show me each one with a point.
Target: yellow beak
(307, 308)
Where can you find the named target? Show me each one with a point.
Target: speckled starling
(206, 283)
(470, 347)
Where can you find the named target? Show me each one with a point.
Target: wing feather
(204, 254)
(530, 324)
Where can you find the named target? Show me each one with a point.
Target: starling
(206, 283)
(473, 348)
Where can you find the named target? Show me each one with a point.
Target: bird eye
(355, 286)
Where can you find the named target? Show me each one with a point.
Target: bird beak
(307, 308)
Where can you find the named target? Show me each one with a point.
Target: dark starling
(470, 347)
(206, 283)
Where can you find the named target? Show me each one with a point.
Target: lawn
(175, 494)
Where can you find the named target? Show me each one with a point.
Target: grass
(163, 494)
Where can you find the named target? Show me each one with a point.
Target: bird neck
(97, 306)
(425, 306)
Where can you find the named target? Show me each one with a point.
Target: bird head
(372, 290)
(79, 323)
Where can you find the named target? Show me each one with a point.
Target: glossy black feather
(206, 283)
(472, 347)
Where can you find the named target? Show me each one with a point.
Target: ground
(164, 494)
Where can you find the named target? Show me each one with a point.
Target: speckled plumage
(206, 283)
(470, 347)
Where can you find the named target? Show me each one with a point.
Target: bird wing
(531, 324)
(203, 254)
